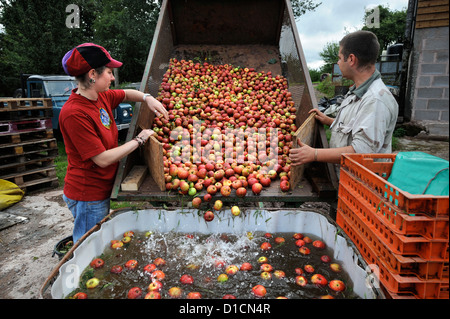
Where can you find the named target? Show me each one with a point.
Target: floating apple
(159, 262)
(126, 240)
(187, 279)
(116, 244)
(336, 285)
(299, 242)
(231, 270)
(153, 295)
(266, 275)
(319, 280)
(304, 250)
(301, 281)
(266, 246)
(116, 269)
(246, 267)
(319, 244)
(297, 236)
(335, 267)
(325, 258)
(155, 285)
(279, 240)
(228, 296)
(259, 291)
(97, 263)
(222, 278)
(131, 264)
(307, 240)
(262, 260)
(194, 295)
(266, 267)
(175, 292)
(129, 233)
(92, 283)
(299, 271)
(134, 293)
(80, 295)
(158, 275)
(309, 269)
(279, 274)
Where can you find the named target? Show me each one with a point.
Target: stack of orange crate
(405, 236)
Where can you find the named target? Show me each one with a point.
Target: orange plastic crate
(377, 207)
(381, 235)
(396, 284)
(396, 263)
(375, 174)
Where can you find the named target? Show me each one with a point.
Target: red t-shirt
(88, 129)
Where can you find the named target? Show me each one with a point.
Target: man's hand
(302, 155)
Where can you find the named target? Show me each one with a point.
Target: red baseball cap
(85, 57)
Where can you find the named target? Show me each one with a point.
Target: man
(367, 117)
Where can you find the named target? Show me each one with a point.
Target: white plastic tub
(190, 221)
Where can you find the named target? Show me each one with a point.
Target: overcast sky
(330, 21)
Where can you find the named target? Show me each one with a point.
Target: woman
(91, 136)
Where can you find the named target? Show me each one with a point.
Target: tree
(300, 7)
(330, 56)
(391, 27)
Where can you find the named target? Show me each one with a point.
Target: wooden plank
(433, 17)
(155, 161)
(305, 134)
(432, 24)
(434, 9)
(135, 178)
(432, 3)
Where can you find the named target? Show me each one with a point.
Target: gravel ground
(26, 248)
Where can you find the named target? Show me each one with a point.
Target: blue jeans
(86, 214)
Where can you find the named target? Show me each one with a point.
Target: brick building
(427, 93)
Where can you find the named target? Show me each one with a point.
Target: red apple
(241, 192)
(266, 246)
(187, 279)
(225, 190)
(134, 293)
(246, 267)
(207, 197)
(335, 267)
(325, 258)
(304, 250)
(266, 275)
(299, 242)
(256, 188)
(285, 186)
(149, 268)
(279, 274)
(299, 271)
(155, 285)
(196, 202)
(309, 268)
(194, 295)
(297, 236)
(175, 292)
(279, 240)
(80, 295)
(131, 264)
(159, 262)
(158, 275)
(97, 263)
(116, 269)
(259, 291)
(337, 285)
(307, 240)
(231, 270)
(319, 244)
(218, 205)
(319, 280)
(228, 296)
(153, 295)
(208, 216)
(266, 267)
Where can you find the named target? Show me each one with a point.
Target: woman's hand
(156, 106)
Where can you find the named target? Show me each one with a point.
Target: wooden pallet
(24, 103)
(11, 153)
(24, 126)
(19, 137)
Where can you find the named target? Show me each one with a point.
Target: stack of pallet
(27, 145)
(403, 237)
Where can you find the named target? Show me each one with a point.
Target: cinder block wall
(429, 84)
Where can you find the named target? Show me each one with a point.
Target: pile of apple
(263, 270)
(229, 129)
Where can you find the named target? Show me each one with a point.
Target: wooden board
(135, 178)
(155, 161)
(305, 134)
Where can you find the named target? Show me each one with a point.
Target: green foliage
(326, 87)
(36, 37)
(315, 75)
(300, 7)
(392, 26)
(330, 56)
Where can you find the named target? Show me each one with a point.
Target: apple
(335, 267)
(134, 293)
(218, 205)
(299, 242)
(211, 189)
(309, 268)
(208, 216)
(192, 191)
(246, 267)
(297, 236)
(285, 186)
(325, 258)
(299, 271)
(131, 264)
(207, 197)
(80, 295)
(241, 192)
(268, 235)
(336, 285)
(97, 263)
(129, 233)
(259, 291)
(256, 188)
(194, 295)
(187, 279)
(307, 240)
(175, 292)
(235, 211)
(196, 202)
(116, 244)
(116, 269)
(158, 275)
(266, 246)
(231, 270)
(326, 297)
(279, 274)
(153, 295)
(222, 278)
(265, 181)
(236, 184)
(159, 262)
(279, 240)
(304, 250)
(228, 296)
(225, 190)
(266, 275)
(319, 280)
(266, 267)
(92, 283)
(262, 260)
(126, 239)
(319, 244)
(155, 285)
(301, 281)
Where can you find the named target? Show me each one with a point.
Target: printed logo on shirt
(105, 119)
